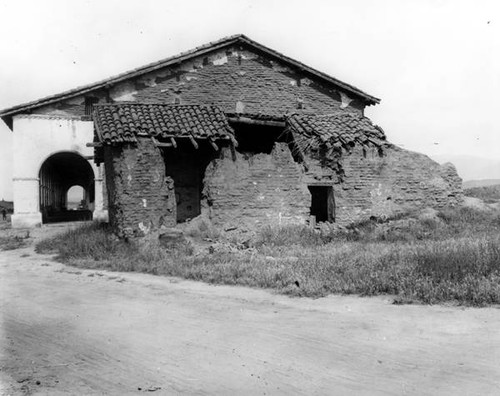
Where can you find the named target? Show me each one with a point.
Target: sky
(435, 64)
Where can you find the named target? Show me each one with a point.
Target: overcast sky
(435, 64)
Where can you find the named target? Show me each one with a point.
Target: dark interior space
(186, 165)
(257, 138)
(57, 175)
(322, 203)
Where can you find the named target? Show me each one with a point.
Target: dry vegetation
(489, 194)
(451, 257)
(12, 242)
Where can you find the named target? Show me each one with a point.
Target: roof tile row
(122, 123)
(339, 130)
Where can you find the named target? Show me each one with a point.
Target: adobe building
(232, 130)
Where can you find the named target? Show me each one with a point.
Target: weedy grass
(453, 258)
(13, 242)
(489, 194)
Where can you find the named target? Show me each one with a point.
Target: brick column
(141, 197)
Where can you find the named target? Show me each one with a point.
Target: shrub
(93, 241)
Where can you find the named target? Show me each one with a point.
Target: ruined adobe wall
(141, 197)
(398, 181)
(256, 190)
(237, 79)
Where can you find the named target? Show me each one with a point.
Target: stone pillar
(26, 203)
(99, 214)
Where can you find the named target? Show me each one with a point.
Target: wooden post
(216, 148)
(193, 141)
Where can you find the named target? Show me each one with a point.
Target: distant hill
(481, 183)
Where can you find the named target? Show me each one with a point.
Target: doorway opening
(61, 176)
(186, 166)
(322, 203)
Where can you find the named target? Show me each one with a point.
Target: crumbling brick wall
(141, 197)
(239, 80)
(256, 189)
(397, 181)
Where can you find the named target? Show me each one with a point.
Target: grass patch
(93, 241)
(13, 242)
(453, 257)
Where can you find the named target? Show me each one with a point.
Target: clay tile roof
(122, 123)
(340, 130)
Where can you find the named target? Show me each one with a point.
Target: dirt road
(69, 331)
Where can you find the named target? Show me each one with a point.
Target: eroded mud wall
(257, 189)
(398, 181)
(141, 197)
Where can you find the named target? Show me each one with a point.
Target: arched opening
(59, 175)
(76, 199)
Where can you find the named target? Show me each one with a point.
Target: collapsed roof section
(122, 123)
(334, 131)
(324, 137)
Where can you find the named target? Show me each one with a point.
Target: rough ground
(71, 331)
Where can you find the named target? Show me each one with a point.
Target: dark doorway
(186, 166)
(322, 203)
(57, 175)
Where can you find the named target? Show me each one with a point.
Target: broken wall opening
(186, 165)
(57, 175)
(258, 138)
(322, 203)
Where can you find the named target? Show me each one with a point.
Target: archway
(76, 198)
(57, 175)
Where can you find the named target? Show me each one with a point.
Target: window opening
(89, 105)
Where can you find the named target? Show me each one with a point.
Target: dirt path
(68, 331)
